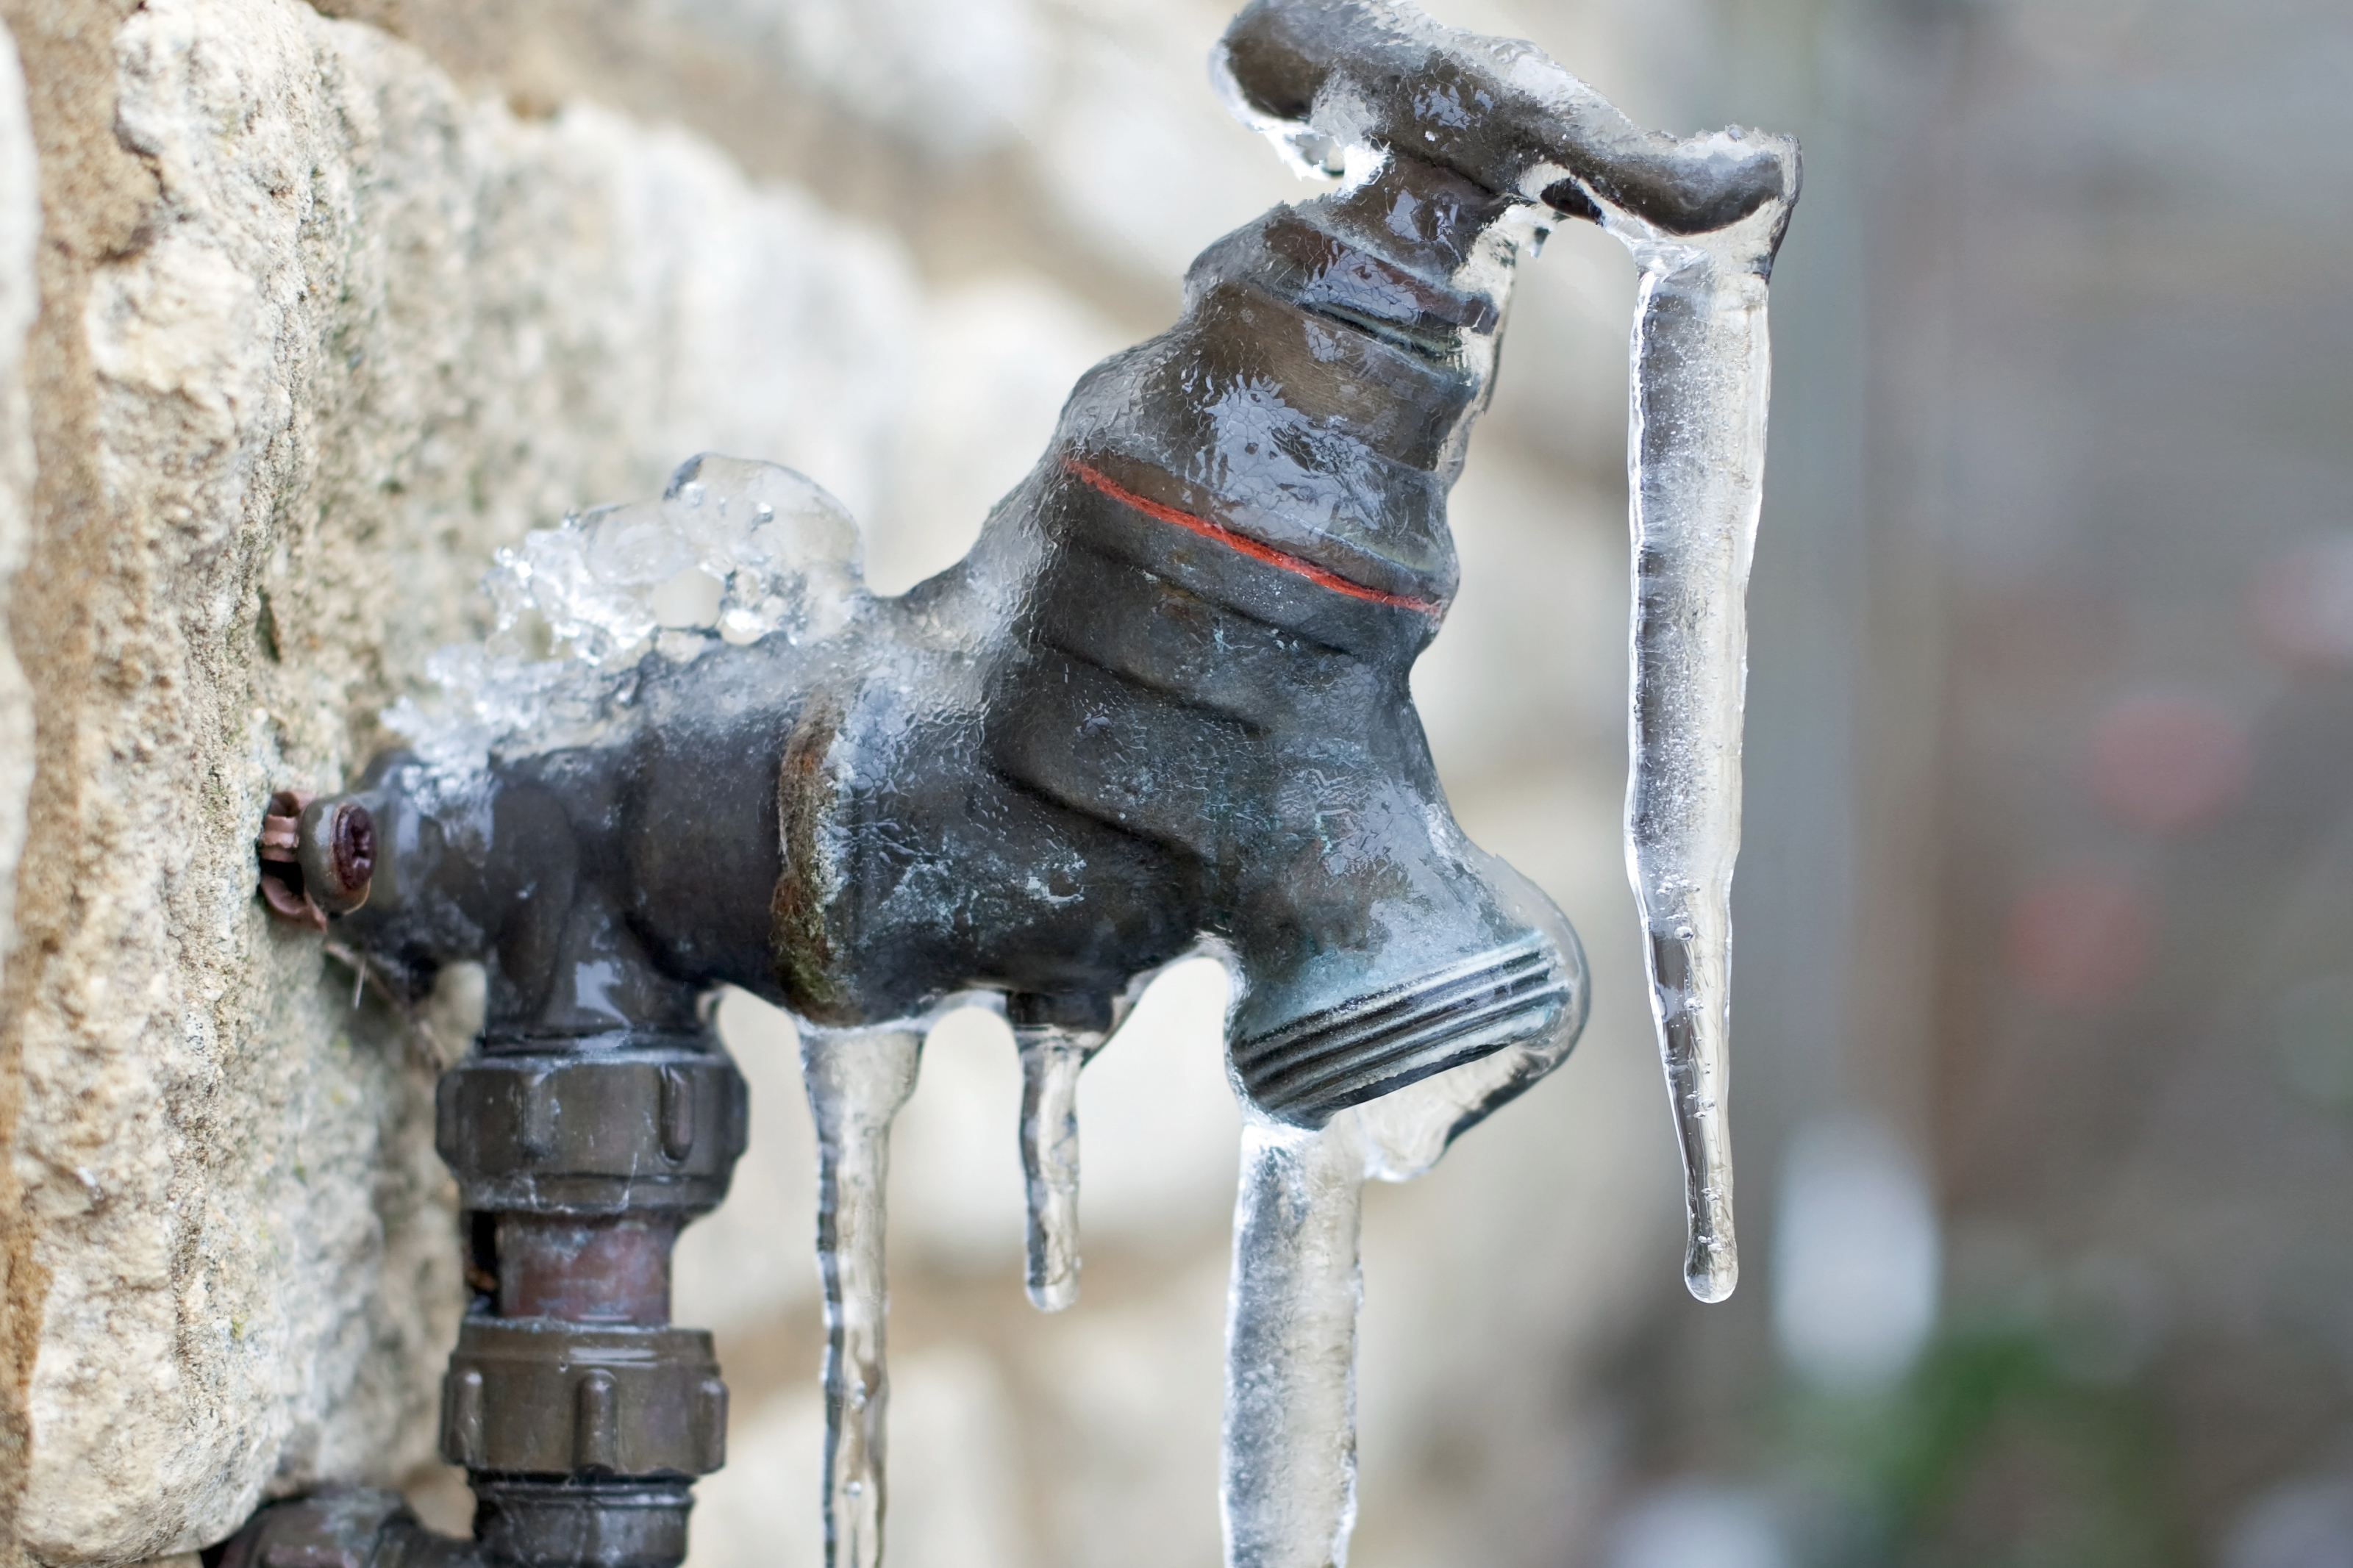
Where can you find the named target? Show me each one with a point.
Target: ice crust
(1050, 1062)
(1696, 456)
(1289, 1494)
(736, 550)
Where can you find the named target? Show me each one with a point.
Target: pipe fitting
(580, 1414)
(337, 854)
(538, 1523)
(634, 1124)
(546, 1397)
(317, 856)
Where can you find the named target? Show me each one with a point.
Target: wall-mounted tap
(1161, 707)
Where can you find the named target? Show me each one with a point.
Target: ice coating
(734, 551)
(857, 1080)
(1696, 458)
(1289, 1498)
(774, 553)
(1050, 1060)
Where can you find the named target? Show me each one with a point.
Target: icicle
(857, 1080)
(1696, 452)
(1050, 1059)
(1288, 1498)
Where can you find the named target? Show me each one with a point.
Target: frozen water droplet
(1050, 1060)
(689, 598)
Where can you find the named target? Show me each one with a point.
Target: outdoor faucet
(1161, 707)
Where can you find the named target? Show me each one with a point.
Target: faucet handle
(1320, 76)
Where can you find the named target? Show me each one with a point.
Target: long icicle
(857, 1080)
(1289, 1498)
(1050, 1059)
(1697, 454)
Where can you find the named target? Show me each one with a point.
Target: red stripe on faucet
(1321, 576)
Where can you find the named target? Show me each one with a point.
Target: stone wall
(330, 307)
(336, 332)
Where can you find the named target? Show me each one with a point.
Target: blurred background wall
(2044, 1012)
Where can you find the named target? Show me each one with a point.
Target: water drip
(857, 1080)
(1052, 1057)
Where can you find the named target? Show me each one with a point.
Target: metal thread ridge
(1337, 1057)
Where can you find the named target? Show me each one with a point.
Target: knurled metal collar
(543, 1397)
(610, 1132)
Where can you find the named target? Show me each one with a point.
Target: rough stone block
(317, 333)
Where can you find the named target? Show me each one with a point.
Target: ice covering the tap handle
(1322, 76)
(1703, 216)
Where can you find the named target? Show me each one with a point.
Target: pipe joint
(623, 1126)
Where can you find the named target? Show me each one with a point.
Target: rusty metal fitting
(337, 850)
(318, 855)
(535, 1523)
(341, 1528)
(279, 849)
(538, 1396)
(601, 1269)
(619, 1131)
